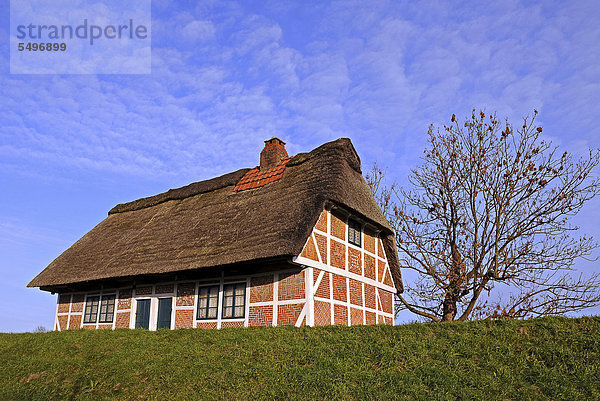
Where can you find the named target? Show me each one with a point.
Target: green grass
(541, 359)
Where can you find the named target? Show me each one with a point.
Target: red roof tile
(256, 178)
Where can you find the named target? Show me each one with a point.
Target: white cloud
(198, 31)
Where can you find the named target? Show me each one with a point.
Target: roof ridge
(234, 178)
(345, 144)
(186, 191)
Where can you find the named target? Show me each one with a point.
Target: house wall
(351, 285)
(272, 299)
(330, 282)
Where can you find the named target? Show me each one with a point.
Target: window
(106, 309)
(234, 300)
(91, 310)
(208, 302)
(354, 232)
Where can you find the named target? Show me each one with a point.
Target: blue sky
(227, 75)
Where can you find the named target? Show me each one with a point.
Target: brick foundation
(206, 325)
(226, 324)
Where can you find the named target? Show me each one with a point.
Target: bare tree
(485, 224)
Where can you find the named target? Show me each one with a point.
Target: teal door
(164, 313)
(142, 314)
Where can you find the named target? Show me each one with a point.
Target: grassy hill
(541, 359)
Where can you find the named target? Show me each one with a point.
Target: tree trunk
(449, 307)
(451, 298)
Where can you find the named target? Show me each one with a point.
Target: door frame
(153, 310)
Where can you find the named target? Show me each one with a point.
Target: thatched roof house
(288, 214)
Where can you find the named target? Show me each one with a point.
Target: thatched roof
(208, 224)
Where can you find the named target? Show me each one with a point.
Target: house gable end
(351, 284)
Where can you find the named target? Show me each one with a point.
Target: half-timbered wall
(352, 285)
(272, 299)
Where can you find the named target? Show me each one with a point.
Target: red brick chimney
(273, 153)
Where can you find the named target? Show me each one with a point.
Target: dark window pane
(354, 232)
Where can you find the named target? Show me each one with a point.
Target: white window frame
(219, 291)
(97, 321)
(222, 298)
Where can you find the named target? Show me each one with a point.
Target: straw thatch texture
(207, 224)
